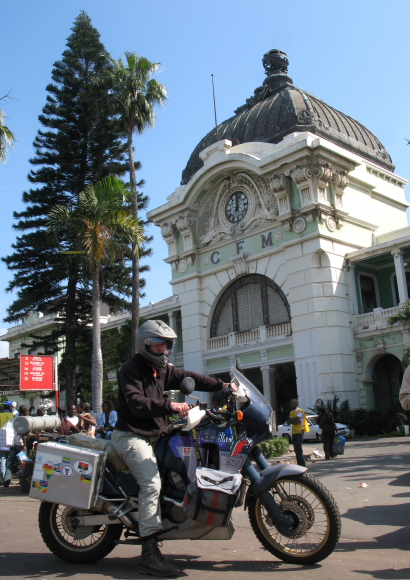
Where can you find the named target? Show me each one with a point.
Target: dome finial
(275, 62)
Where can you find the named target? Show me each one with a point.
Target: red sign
(36, 373)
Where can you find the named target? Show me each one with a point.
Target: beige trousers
(138, 453)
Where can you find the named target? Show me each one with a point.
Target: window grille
(250, 302)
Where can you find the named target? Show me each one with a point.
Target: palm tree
(7, 138)
(98, 225)
(134, 94)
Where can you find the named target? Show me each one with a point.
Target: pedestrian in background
(297, 418)
(107, 421)
(327, 423)
(88, 422)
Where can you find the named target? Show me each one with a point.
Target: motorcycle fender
(271, 474)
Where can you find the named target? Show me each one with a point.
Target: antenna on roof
(216, 122)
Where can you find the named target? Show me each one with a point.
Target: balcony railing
(376, 319)
(278, 330)
(247, 337)
(261, 334)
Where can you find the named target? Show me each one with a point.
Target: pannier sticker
(224, 437)
(187, 451)
(46, 466)
(66, 460)
(86, 478)
(67, 470)
(49, 469)
(238, 445)
(41, 486)
(83, 467)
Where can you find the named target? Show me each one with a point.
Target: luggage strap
(197, 451)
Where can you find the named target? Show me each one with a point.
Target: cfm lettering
(266, 240)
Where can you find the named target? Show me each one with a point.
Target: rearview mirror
(187, 386)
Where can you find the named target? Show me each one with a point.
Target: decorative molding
(280, 186)
(268, 368)
(299, 225)
(340, 181)
(182, 266)
(186, 225)
(262, 210)
(381, 346)
(385, 176)
(312, 181)
(170, 235)
(397, 252)
(239, 262)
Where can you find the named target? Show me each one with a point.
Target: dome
(278, 108)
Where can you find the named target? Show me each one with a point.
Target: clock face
(236, 207)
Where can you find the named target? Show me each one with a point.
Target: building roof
(279, 108)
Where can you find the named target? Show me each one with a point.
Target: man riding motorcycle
(142, 417)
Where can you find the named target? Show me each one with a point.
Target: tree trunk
(70, 355)
(97, 362)
(135, 308)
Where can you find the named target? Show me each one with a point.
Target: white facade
(310, 202)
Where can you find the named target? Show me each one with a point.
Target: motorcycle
(209, 463)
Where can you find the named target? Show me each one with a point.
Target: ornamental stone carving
(262, 208)
(170, 235)
(239, 262)
(312, 181)
(280, 185)
(186, 225)
(339, 180)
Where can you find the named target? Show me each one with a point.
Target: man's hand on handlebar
(181, 408)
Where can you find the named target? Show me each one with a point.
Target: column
(172, 321)
(352, 288)
(268, 380)
(400, 275)
(172, 325)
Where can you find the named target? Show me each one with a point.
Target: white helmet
(155, 332)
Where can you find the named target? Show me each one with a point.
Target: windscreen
(246, 385)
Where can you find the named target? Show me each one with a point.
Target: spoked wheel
(71, 542)
(317, 523)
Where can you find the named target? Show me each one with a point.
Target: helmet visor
(153, 340)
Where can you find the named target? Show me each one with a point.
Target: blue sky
(354, 55)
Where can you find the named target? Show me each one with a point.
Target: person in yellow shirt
(297, 418)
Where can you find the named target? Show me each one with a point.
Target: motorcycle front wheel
(317, 521)
(73, 543)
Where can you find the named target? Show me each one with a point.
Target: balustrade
(250, 336)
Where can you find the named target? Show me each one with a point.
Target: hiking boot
(153, 562)
(7, 482)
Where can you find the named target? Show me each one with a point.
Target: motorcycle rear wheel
(318, 522)
(77, 545)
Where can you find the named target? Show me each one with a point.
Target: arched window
(250, 302)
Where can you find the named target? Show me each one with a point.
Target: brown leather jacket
(142, 408)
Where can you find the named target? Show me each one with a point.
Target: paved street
(375, 539)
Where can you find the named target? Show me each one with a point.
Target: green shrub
(274, 447)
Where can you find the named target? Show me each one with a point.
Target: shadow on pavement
(36, 566)
(388, 574)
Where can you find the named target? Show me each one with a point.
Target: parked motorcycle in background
(210, 463)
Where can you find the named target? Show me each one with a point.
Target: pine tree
(80, 143)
